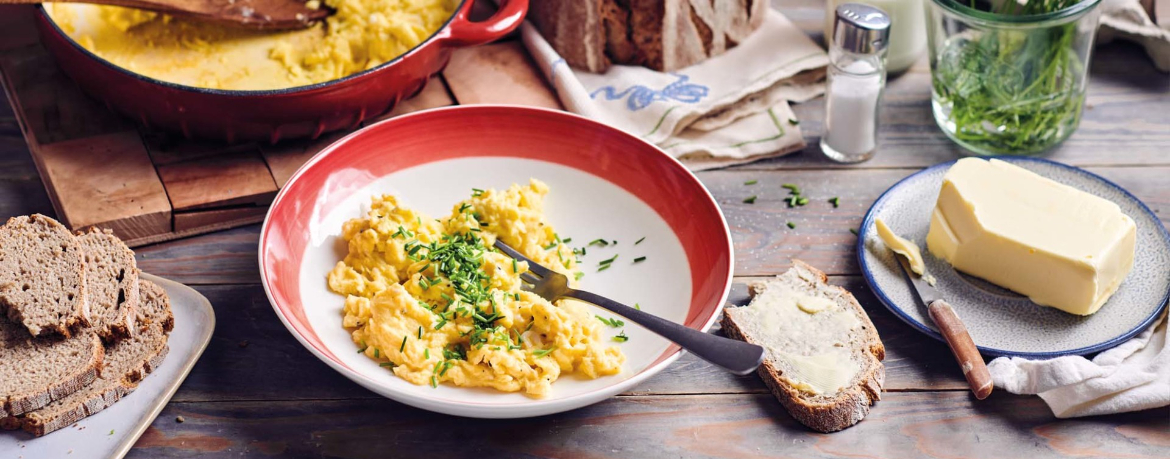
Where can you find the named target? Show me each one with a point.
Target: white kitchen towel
(1130, 377)
(1130, 20)
(730, 109)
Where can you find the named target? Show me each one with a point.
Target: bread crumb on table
(179, 419)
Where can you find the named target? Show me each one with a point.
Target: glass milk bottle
(907, 29)
(856, 80)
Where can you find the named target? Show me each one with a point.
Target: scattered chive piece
(639, 241)
(420, 332)
(363, 348)
(613, 322)
(567, 240)
(621, 337)
(550, 245)
(793, 121)
(402, 346)
(111, 431)
(427, 353)
(600, 242)
(639, 259)
(750, 200)
(835, 201)
(637, 306)
(377, 355)
(544, 352)
(791, 225)
(434, 382)
(514, 268)
(608, 261)
(801, 201)
(792, 189)
(476, 192)
(751, 182)
(387, 364)
(579, 275)
(603, 268)
(853, 230)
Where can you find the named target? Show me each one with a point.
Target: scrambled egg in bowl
(360, 35)
(433, 302)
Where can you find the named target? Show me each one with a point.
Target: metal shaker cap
(861, 28)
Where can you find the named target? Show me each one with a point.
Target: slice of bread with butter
(823, 359)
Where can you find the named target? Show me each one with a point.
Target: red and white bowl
(604, 184)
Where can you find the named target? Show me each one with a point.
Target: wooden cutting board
(101, 169)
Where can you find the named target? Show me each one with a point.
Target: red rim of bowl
(252, 92)
(701, 319)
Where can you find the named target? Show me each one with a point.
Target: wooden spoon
(255, 14)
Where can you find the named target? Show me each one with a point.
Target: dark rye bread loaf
(831, 322)
(42, 276)
(112, 282)
(128, 361)
(664, 35)
(36, 371)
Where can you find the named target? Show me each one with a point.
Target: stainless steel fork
(735, 356)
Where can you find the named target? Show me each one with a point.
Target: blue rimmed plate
(1000, 321)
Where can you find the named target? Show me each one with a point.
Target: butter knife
(952, 330)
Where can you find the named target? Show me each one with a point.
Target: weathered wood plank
(500, 73)
(902, 425)
(224, 180)
(763, 243)
(253, 350)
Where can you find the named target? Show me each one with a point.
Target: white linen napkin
(730, 109)
(1129, 20)
(1131, 377)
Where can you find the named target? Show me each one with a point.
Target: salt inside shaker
(856, 80)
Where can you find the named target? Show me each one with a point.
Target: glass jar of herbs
(1009, 76)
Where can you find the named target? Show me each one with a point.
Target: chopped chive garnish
(621, 337)
(750, 200)
(544, 352)
(600, 242)
(516, 296)
(608, 261)
(514, 268)
(639, 241)
(603, 268)
(751, 182)
(835, 201)
(377, 354)
(363, 348)
(402, 346)
(550, 245)
(567, 240)
(637, 306)
(801, 201)
(579, 275)
(793, 121)
(853, 230)
(476, 192)
(791, 225)
(792, 189)
(434, 382)
(613, 322)
(420, 332)
(387, 364)
(639, 259)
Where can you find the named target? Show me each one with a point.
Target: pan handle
(463, 32)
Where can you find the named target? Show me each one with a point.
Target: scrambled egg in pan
(360, 35)
(432, 302)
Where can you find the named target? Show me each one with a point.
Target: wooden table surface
(256, 392)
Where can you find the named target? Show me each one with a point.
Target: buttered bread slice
(823, 355)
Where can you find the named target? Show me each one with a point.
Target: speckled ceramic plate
(1000, 321)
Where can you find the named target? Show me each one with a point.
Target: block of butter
(1059, 246)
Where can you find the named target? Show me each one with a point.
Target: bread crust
(849, 406)
(18, 404)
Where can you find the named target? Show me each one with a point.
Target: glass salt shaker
(856, 80)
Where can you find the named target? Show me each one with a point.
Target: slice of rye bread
(37, 371)
(42, 276)
(112, 282)
(127, 362)
(822, 412)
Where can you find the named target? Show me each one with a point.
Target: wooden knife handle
(964, 349)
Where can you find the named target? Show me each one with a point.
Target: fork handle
(735, 356)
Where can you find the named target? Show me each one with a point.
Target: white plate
(111, 433)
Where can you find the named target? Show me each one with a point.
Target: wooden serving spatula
(255, 14)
